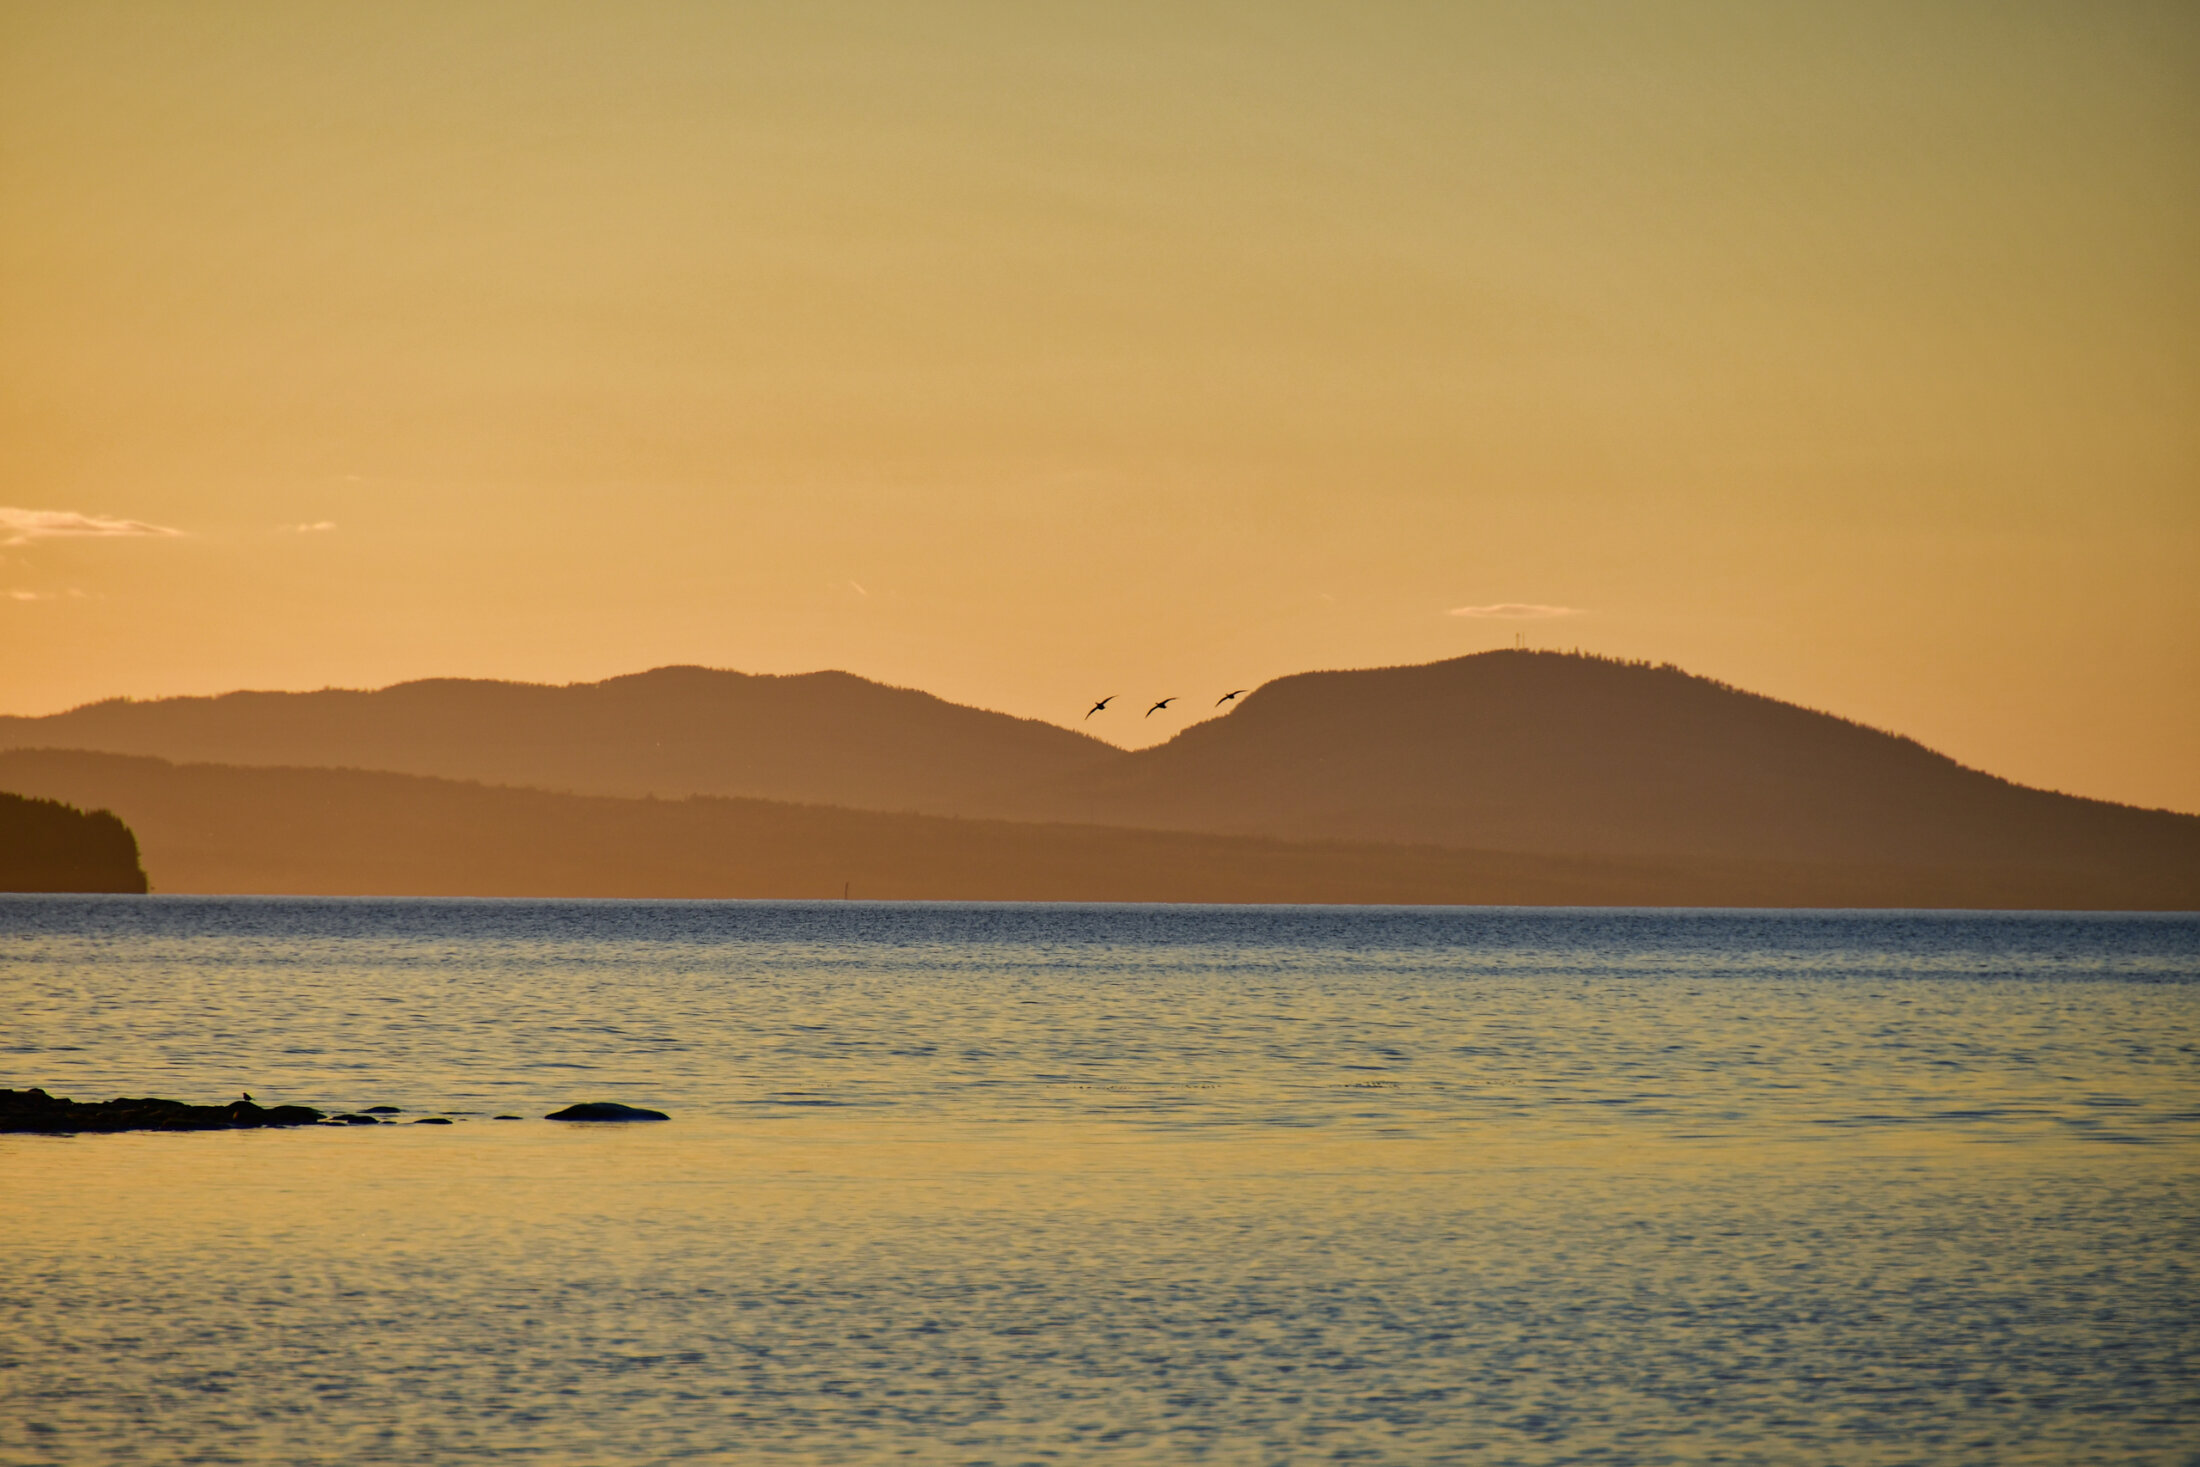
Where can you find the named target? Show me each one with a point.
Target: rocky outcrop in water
(35, 1110)
(605, 1110)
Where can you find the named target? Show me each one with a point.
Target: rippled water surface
(1009, 1184)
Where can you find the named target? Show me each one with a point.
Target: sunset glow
(1023, 354)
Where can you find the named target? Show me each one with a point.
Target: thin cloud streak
(22, 526)
(1517, 611)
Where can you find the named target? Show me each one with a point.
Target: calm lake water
(1031, 1184)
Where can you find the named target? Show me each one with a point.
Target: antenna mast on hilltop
(1520, 641)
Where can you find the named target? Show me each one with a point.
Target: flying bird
(1165, 702)
(1104, 702)
(1226, 697)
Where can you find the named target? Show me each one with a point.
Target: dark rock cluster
(35, 1110)
(383, 1115)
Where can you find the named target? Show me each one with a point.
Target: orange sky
(1848, 352)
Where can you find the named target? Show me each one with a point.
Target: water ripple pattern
(1009, 1184)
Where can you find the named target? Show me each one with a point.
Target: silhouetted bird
(1226, 697)
(1104, 702)
(1165, 702)
(246, 1093)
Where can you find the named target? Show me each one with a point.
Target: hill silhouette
(214, 828)
(822, 737)
(46, 845)
(1554, 752)
(1537, 753)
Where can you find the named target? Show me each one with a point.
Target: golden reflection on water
(839, 1289)
(578, 1169)
(182, 1192)
(979, 1186)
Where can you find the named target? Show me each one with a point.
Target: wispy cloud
(313, 529)
(22, 526)
(1517, 611)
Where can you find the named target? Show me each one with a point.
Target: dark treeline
(46, 845)
(213, 828)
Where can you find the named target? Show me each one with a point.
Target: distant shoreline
(957, 903)
(1499, 779)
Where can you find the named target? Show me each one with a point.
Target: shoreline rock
(34, 1111)
(605, 1110)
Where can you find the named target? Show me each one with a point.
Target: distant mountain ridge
(1537, 753)
(821, 737)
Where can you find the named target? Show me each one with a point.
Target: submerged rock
(605, 1110)
(35, 1110)
(432, 1121)
(384, 1110)
(504, 1118)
